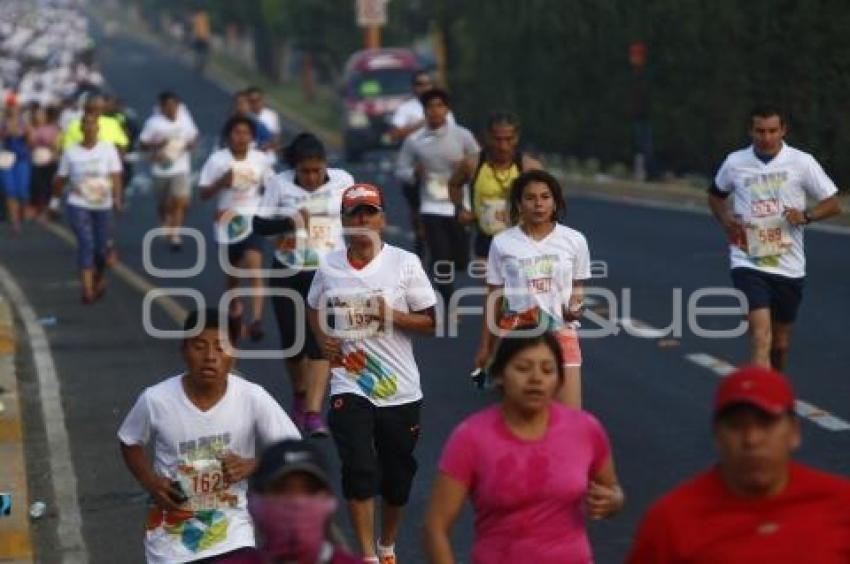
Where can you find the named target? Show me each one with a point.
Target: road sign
(371, 13)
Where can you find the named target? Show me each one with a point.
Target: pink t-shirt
(528, 495)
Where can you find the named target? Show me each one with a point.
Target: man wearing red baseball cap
(756, 504)
(364, 302)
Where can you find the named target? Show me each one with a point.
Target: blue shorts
(16, 180)
(780, 294)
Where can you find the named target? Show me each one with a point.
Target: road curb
(15, 538)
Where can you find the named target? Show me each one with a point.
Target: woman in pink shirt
(533, 468)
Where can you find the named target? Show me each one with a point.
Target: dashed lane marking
(804, 409)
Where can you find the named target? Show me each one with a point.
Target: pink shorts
(570, 349)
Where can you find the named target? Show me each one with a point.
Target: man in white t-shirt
(376, 294)
(170, 135)
(204, 426)
(428, 158)
(771, 183)
(408, 118)
(263, 113)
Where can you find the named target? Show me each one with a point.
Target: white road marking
(821, 417)
(62, 473)
(174, 310)
(638, 328)
(804, 409)
(716, 365)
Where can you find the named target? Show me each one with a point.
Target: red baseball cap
(766, 389)
(362, 195)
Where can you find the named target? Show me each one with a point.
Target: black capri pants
(375, 445)
(289, 323)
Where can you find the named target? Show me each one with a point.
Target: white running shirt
(88, 172)
(537, 276)
(283, 197)
(177, 134)
(762, 191)
(377, 364)
(243, 196)
(186, 442)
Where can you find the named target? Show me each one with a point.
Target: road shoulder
(15, 539)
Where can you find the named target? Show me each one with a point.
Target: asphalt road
(652, 399)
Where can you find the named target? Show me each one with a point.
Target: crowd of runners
(347, 304)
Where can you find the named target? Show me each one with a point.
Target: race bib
(437, 187)
(94, 190)
(41, 156)
(205, 486)
(245, 176)
(767, 237)
(354, 316)
(173, 149)
(492, 216)
(321, 233)
(7, 160)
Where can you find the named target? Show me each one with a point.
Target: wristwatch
(807, 219)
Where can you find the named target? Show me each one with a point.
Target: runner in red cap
(376, 295)
(756, 504)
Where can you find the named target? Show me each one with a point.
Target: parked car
(375, 83)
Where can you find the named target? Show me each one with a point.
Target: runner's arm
(460, 176)
(423, 321)
(824, 209)
(447, 500)
(575, 307)
(721, 211)
(406, 163)
(401, 132)
(158, 486)
(330, 346)
(117, 189)
(217, 186)
(604, 495)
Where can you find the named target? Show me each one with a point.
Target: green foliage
(563, 65)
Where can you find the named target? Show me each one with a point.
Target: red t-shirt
(703, 522)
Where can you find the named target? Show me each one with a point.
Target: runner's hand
(165, 496)
(736, 234)
(225, 180)
(794, 216)
(332, 349)
(118, 205)
(603, 501)
(465, 217)
(237, 468)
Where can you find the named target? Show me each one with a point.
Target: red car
(375, 83)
